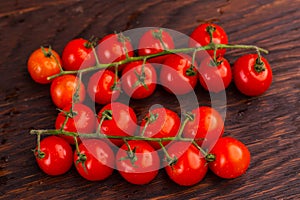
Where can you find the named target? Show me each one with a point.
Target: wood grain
(268, 125)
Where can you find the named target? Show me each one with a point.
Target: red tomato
(215, 76)
(232, 158)
(178, 75)
(142, 166)
(162, 123)
(190, 167)
(98, 160)
(101, 87)
(113, 48)
(138, 80)
(42, 64)
(121, 121)
(151, 44)
(63, 89)
(78, 54)
(57, 156)
(82, 120)
(250, 77)
(201, 37)
(207, 126)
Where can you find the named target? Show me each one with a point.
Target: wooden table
(268, 124)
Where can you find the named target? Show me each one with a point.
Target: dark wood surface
(268, 125)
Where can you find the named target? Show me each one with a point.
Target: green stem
(165, 52)
(188, 117)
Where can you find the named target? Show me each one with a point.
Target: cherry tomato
(215, 76)
(139, 80)
(81, 120)
(189, 168)
(56, 156)
(232, 158)
(120, 120)
(201, 37)
(63, 89)
(159, 123)
(113, 48)
(139, 167)
(97, 162)
(251, 76)
(78, 54)
(102, 88)
(207, 126)
(178, 75)
(42, 63)
(155, 41)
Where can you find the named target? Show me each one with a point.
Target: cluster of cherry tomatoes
(185, 149)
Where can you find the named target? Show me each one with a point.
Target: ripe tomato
(190, 167)
(138, 80)
(178, 75)
(251, 77)
(142, 166)
(101, 87)
(81, 120)
(42, 64)
(97, 162)
(120, 121)
(113, 48)
(63, 89)
(151, 44)
(232, 158)
(215, 76)
(57, 156)
(207, 126)
(162, 123)
(78, 54)
(201, 37)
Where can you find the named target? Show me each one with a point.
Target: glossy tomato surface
(63, 89)
(190, 167)
(57, 156)
(98, 163)
(120, 120)
(142, 166)
(139, 80)
(232, 158)
(249, 80)
(78, 54)
(42, 63)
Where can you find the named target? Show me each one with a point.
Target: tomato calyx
(81, 160)
(259, 65)
(210, 30)
(191, 71)
(210, 157)
(140, 78)
(130, 155)
(91, 43)
(149, 119)
(157, 34)
(46, 53)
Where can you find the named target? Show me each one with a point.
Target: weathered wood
(268, 125)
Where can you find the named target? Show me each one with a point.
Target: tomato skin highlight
(58, 156)
(100, 87)
(178, 75)
(166, 124)
(76, 55)
(190, 167)
(149, 44)
(83, 122)
(201, 37)
(247, 79)
(232, 158)
(146, 166)
(129, 80)
(63, 88)
(122, 123)
(207, 126)
(99, 163)
(215, 78)
(40, 66)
